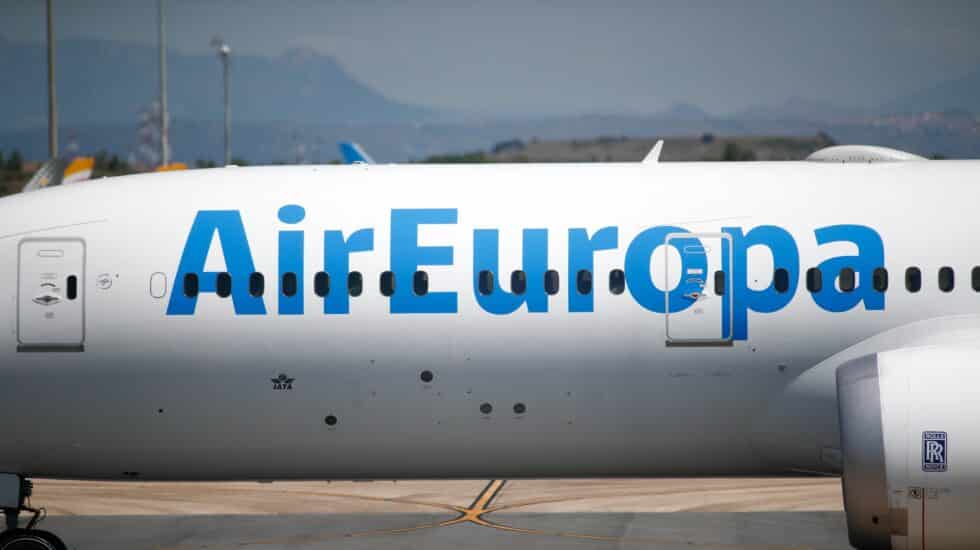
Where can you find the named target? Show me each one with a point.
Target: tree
(199, 163)
(462, 158)
(117, 165)
(238, 161)
(15, 163)
(826, 139)
(1, 159)
(734, 152)
(101, 160)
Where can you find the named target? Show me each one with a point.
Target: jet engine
(910, 436)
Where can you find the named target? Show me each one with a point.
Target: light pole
(224, 53)
(164, 114)
(52, 100)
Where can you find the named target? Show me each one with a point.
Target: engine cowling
(910, 436)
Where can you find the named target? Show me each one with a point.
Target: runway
(730, 514)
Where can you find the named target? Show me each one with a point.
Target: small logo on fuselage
(103, 281)
(282, 382)
(934, 451)
(47, 299)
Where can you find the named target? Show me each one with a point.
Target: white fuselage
(150, 392)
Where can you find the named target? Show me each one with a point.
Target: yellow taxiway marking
(480, 505)
(474, 514)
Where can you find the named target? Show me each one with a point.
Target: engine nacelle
(910, 435)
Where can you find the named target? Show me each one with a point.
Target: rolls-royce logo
(282, 382)
(934, 451)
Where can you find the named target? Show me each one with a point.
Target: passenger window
(814, 279)
(551, 281)
(583, 281)
(223, 285)
(355, 283)
(847, 279)
(289, 284)
(420, 283)
(256, 284)
(191, 285)
(975, 276)
(617, 281)
(387, 283)
(719, 283)
(485, 282)
(321, 284)
(946, 281)
(880, 279)
(780, 280)
(518, 282)
(913, 279)
(71, 287)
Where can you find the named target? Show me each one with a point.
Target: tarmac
(668, 514)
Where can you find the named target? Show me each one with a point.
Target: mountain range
(102, 82)
(295, 106)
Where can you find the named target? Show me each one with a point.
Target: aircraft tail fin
(353, 153)
(653, 156)
(79, 169)
(60, 172)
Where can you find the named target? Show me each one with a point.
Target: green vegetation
(735, 153)
(106, 166)
(462, 158)
(508, 146)
(8, 183)
(11, 173)
(826, 139)
(706, 147)
(15, 163)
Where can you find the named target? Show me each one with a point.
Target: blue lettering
(407, 256)
(486, 249)
(785, 255)
(336, 262)
(291, 259)
(871, 255)
(238, 262)
(639, 280)
(581, 251)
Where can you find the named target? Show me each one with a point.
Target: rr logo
(934, 451)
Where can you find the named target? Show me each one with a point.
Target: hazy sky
(570, 56)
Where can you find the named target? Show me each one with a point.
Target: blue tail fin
(354, 154)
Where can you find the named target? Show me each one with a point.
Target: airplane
(505, 321)
(353, 153)
(61, 171)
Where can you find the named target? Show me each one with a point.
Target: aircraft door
(51, 295)
(698, 301)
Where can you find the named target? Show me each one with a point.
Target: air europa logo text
(407, 257)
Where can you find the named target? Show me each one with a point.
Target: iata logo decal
(282, 382)
(934, 451)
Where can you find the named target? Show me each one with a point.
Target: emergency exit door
(698, 297)
(51, 295)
